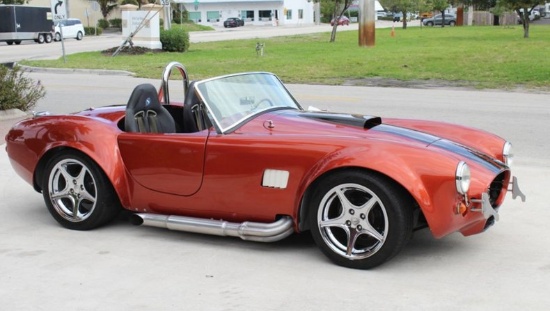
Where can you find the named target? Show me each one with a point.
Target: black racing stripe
(486, 161)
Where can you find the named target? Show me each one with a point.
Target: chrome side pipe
(250, 231)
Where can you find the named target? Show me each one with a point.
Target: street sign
(59, 9)
(165, 2)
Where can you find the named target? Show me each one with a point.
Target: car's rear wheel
(360, 220)
(79, 36)
(77, 193)
(451, 23)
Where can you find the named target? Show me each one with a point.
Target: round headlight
(462, 177)
(507, 154)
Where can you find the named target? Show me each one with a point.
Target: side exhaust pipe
(250, 231)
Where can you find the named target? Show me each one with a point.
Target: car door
(167, 163)
(68, 31)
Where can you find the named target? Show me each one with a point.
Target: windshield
(236, 98)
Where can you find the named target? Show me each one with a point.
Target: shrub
(175, 39)
(116, 23)
(103, 23)
(18, 91)
(134, 2)
(91, 31)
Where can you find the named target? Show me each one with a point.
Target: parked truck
(22, 22)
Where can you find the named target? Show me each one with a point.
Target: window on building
(265, 15)
(213, 16)
(195, 17)
(301, 14)
(247, 15)
(288, 14)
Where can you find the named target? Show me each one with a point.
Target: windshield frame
(223, 126)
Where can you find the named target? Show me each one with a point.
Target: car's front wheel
(429, 24)
(452, 23)
(57, 36)
(360, 220)
(77, 193)
(79, 36)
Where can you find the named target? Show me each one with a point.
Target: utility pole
(367, 19)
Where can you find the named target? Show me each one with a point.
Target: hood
(375, 126)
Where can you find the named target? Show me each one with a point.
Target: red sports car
(240, 157)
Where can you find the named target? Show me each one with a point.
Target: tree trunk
(333, 33)
(404, 19)
(525, 19)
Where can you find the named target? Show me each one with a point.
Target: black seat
(190, 107)
(145, 114)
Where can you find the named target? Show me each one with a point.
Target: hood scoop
(357, 120)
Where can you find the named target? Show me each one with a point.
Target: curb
(11, 114)
(71, 70)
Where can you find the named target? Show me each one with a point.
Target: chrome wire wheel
(72, 190)
(353, 221)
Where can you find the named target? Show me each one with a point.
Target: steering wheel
(262, 101)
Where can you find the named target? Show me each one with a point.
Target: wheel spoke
(81, 176)
(63, 170)
(63, 194)
(346, 204)
(353, 234)
(335, 222)
(369, 230)
(86, 196)
(368, 205)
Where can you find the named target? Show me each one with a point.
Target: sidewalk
(7, 119)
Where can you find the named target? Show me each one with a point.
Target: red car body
(220, 174)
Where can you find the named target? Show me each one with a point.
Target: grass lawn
(484, 57)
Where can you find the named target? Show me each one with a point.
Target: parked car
(438, 20)
(72, 28)
(233, 22)
(397, 16)
(534, 14)
(344, 20)
(241, 157)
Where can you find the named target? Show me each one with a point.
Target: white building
(253, 12)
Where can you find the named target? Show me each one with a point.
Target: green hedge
(90, 31)
(174, 40)
(18, 91)
(116, 23)
(103, 23)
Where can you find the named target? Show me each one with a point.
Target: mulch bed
(128, 50)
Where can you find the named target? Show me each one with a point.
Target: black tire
(339, 210)
(84, 202)
(452, 23)
(79, 35)
(41, 39)
(430, 24)
(49, 38)
(17, 42)
(9, 42)
(57, 36)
